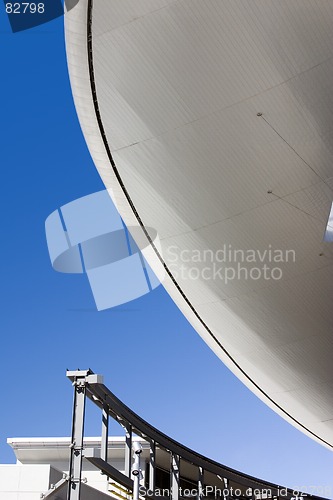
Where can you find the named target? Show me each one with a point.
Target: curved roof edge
(79, 48)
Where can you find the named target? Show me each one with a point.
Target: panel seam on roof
(238, 214)
(135, 19)
(229, 106)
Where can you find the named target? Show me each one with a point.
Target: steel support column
(174, 477)
(152, 466)
(128, 450)
(201, 486)
(225, 489)
(136, 471)
(74, 484)
(105, 433)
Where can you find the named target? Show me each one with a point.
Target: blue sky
(49, 321)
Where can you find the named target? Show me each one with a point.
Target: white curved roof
(168, 94)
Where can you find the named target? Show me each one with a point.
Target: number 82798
(25, 8)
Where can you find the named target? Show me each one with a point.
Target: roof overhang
(211, 121)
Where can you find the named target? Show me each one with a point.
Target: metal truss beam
(87, 384)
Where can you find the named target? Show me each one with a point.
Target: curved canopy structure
(183, 468)
(211, 121)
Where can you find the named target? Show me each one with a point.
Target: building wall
(43, 461)
(26, 482)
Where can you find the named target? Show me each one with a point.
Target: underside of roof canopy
(212, 122)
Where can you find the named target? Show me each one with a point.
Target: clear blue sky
(49, 321)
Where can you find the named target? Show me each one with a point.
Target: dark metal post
(152, 466)
(128, 450)
(226, 489)
(174, 476)
(74, 484)
(105, 433)
(200, 483)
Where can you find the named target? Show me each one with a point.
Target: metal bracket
(55, 487)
